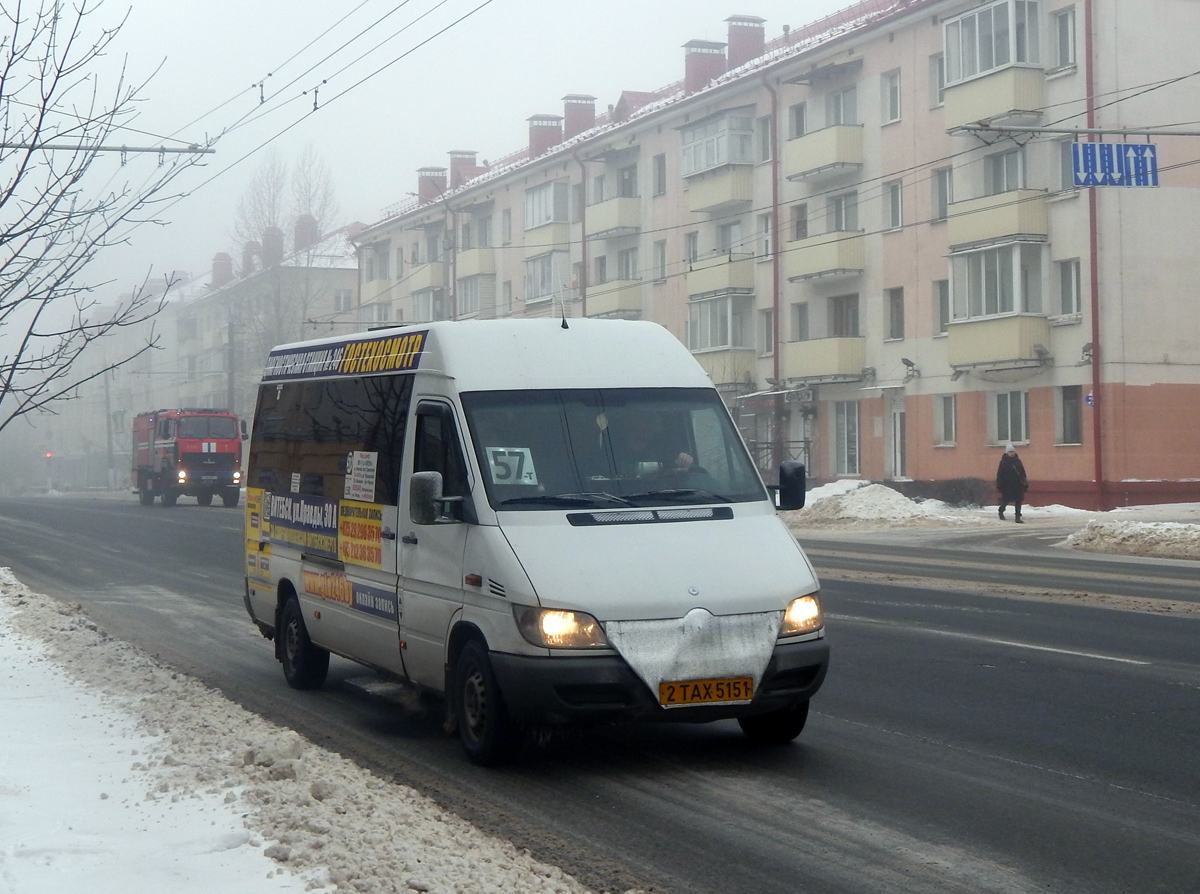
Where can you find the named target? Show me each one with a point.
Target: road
(964, 741)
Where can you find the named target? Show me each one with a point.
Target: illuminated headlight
(556, 629)
(803, 615)
(237, 476)
(183, 474)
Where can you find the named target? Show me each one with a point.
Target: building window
(660, 174)
(893, 210)
(414, 256)
(466, 240)
(381, 264)
(1070, 414)
(797, 120)
(660, 260)
(433, 248)
(843, 316)
(1002, 172)
(894, 299)
(546, 204)
(599, 270)
(1066, 165)
(941, 306)
(399, 263)
(1069, 290)
(890, 83)
(506, 298)
(468, 296)
(842, 213)
(691, 246)
(766, 332)
(937, 80)
(800, 321)
(997, 281)
(483, 231)
(762, 137)
(729, 237)
(943, 192)
(544, 276)
(945, 420)
(1064, 37)
(343, 301)
(799, 222)
(721, 322)
(627, 264)
(627, 182)
(369, 268)
(429, 305)
(845, 437)
(506, 226)
(1012, 417)
(764, 235)
(991, 37)
(720, 141)
(842, 107)
(598, 194)
(374, 313)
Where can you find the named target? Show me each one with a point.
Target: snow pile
(320, 818)
(858, 501)
(1162, 540)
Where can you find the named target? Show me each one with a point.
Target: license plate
(209, 477)
(700, 692)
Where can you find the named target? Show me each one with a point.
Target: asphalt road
(962, 742)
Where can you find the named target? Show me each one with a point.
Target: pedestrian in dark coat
(1011, 481)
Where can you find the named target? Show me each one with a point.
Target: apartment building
(896, 238)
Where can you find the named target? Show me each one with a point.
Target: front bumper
(604, 688)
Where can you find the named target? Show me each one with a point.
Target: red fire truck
(188, 452)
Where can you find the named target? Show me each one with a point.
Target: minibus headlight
(183, 475)
(558, 629)
(803, 615)
(237, 476)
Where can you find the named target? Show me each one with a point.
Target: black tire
(487, 732)
(231, 497)
(204, 499)
(776, 727)
(145, 494)
(169, 497)
(305, 666)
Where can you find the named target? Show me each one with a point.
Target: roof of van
(486, 355)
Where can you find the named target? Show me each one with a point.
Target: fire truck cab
(192, 452)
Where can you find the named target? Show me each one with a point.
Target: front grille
(209, 461)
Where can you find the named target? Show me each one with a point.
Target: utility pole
(108, 430)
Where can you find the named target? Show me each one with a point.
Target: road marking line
(989, 639)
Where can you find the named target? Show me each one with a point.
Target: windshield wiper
(581, 499)
(682, 494)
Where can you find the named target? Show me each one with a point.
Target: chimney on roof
(272, 247)
(431, 183)
(747, 39)
(704, 60)
(250, 251)
(222, 270)
(579, 114)
(307, 234)
(463, 167)
(545, 132)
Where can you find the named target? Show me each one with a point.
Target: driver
(646, 448)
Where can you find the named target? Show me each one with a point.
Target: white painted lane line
(988, 639)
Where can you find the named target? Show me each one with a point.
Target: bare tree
(263, 204)
(54, 216)
(312, 190)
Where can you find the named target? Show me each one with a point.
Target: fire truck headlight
(182, 475)
(237, 476)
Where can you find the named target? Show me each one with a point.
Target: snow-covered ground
(120, 775)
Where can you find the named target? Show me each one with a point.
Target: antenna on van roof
(563, 308)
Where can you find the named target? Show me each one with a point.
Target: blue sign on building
(1115, 164)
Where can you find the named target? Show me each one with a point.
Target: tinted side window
(305, 431)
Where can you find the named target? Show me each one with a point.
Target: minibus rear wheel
(305, 666)
(775, 727)
(488, 733)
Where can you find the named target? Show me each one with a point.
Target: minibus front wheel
(305, 666)
(775, 727)
(488, 733)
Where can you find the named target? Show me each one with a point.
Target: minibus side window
(437, 449)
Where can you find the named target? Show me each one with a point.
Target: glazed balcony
(1007, 96)
(721, 273)
(721, 189)
(1018, 212)
(830, 254)
(824, 358)
(824, 154)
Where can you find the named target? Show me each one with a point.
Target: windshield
(571, 449)
(207, 427)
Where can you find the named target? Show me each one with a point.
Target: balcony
(616, 298)
(721, 189)
(722, 273)
(547, 238)
(830, 254)
(731, 366)
(1007, 96)
(425, 276)
(1012, 342)
(475, 262)
(621, 216)
(830, 359)
(824, 154)
(1018, 212)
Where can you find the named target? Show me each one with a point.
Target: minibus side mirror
(424, 497)
(791, 485)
